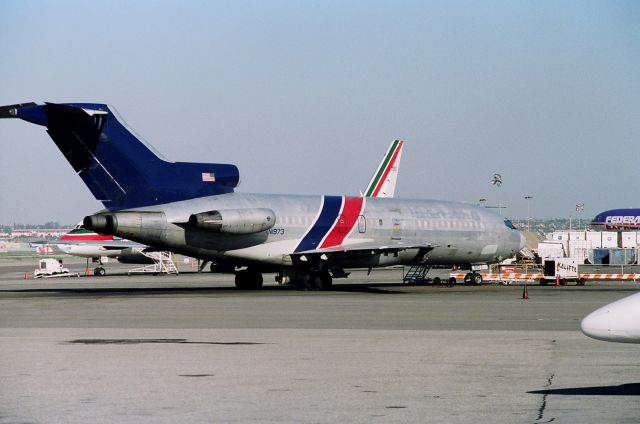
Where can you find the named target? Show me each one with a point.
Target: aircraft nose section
(598, 220)
(597, 324)
(615, 322)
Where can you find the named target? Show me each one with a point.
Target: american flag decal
(208, 177)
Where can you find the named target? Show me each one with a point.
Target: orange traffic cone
(557, 280)
(525, 293)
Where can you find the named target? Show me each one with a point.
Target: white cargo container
(551, 249)
(580, 250)
(609, 239)
(577, 236)
(595, 238)
(629, 239)
(560, 235)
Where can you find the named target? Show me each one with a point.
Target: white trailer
(560, 271)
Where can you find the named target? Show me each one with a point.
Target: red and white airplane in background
(91, 245)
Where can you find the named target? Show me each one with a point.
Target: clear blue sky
(306, 96)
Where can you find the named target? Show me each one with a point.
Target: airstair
(162, 264)
(417, 274)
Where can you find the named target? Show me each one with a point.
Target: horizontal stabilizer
(11, 111)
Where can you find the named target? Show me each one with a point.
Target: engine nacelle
(234, 221)
(147, 226)
(134, 256)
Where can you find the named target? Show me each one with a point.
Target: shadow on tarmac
(376, 288)
(631, 389)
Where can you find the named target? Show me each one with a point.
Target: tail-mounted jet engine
(234, 221)
(148, 226)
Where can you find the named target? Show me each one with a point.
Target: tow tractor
(51, 268)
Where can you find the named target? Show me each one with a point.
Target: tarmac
(192, 349)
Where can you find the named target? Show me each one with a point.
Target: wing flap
(375, 248)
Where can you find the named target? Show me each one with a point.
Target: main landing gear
(320, 281)
(309, 280)
(249, 279)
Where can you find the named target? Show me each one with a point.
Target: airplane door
(362, 224)
(396, 230)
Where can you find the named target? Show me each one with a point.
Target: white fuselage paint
(460, 233)
(616, 322)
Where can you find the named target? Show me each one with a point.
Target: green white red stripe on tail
(383, 182)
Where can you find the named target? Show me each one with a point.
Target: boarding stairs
(417, 274)
(162, 264)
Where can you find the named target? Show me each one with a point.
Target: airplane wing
(361, 249)
(106, 244)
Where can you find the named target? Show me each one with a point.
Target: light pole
(579, 208)
(497, 181)
(528, 199)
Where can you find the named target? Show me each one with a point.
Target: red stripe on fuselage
(347, 219)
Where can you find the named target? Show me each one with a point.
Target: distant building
(38, 232)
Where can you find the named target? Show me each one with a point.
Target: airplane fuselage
(457, 233)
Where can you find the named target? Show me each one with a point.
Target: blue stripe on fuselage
(330, 211)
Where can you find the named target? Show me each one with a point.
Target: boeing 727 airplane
(192, 209)
(91, 245)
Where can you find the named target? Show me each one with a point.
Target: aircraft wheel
(99, 271)
(326, 282)
(220, 268)
(241, 280)
(476, 279)
(452, 281)
(318, 281)
(314, 283)
(248, 280)
(256, 280)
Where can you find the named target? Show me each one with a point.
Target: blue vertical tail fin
(120, 170)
